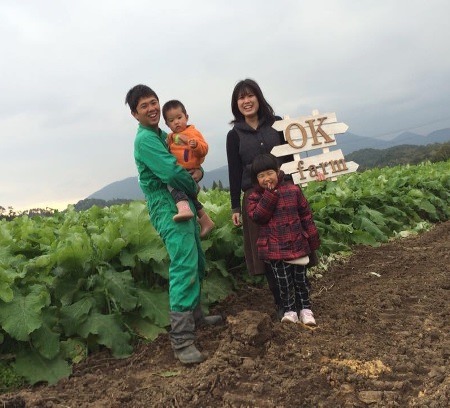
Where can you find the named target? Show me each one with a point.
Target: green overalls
(157, 168)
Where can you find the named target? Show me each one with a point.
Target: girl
(287, 235)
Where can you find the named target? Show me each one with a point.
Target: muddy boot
(206, 224)
(184, 212)
(202, 320)
(189, 355)
(182, 336)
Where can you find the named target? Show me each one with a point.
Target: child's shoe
(206, 225)
(290, 317)
(307, 317)
(184, 212)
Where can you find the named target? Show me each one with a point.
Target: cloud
(65, 132)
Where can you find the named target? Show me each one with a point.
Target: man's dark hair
(172, 104)
(263, 162)
(136, 93)
(246, 87)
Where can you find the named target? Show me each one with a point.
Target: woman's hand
(236, 218)
(320, 177)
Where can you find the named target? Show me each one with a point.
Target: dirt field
(382, 341)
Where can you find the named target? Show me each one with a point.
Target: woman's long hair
(245, 87)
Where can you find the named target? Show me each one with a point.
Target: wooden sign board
(307, 133)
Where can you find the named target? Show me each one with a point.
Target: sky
(65, 132)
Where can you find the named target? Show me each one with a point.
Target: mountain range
(347, 142)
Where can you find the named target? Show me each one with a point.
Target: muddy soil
(382, 341)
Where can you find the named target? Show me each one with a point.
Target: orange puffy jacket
(188, 157)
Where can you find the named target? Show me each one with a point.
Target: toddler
(189, 147)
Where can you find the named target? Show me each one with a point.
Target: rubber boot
(184, 212)
(182, 337)
(202, 320)
(206, 224)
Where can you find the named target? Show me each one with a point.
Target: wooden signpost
(307, 133)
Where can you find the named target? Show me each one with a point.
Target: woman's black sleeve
(234, 169)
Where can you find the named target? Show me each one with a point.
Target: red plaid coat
(287, 230)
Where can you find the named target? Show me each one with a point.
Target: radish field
(77, 282)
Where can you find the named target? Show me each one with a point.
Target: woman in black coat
(251, 135)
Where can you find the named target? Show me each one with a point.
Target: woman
(252, 134)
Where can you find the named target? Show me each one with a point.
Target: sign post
(307, 133)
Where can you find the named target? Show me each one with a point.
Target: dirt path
(383, 341)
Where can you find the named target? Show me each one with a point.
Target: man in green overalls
(157, 168)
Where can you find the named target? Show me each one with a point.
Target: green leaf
(110, 332)
(160, 268)
(416, 193)
(219, 265)
(68, 284)
(329, 246)
(143, 240)
(74, 349)
(72, 316)
(364, 224)
(166, 374)
(143, 327)
(7, 277)
(364, 238)
(23, 314)
(341, 229)
(74, 251)
(216, 287)
(41, 266)
(375, 216)
(428, 207)
(36, 368)
(127, 259)
(120, 286)
(6, 237)
(155, 305)
(46, 341)
(394, 212)
(108, 244)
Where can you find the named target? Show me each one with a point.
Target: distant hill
(438, 136)
(402, 154)
(214, 176)
(347, 142)
(127, 188)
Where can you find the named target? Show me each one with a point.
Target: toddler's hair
(172, 104)
(263, 162)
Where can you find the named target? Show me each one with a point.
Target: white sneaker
(290, 317)
(307, 317)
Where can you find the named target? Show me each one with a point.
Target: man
(157, 168)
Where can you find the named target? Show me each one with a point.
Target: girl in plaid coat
(287, 235)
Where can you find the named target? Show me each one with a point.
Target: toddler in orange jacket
(189, 147)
